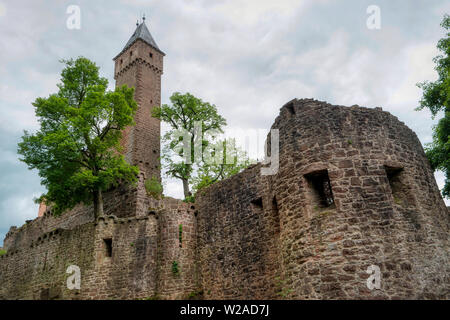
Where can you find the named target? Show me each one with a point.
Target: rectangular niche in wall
(399, 188)
(257, 205)
(320, 189)
(108, 247)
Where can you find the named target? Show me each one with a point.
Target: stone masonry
(354, 189)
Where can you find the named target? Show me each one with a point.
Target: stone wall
(124, 201)
(238, 238)
(385, 209)
(177, 239)
(353, 189)
(127, 257)
(38, 270)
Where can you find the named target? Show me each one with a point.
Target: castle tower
(140, 65)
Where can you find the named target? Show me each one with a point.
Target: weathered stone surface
(397, 222)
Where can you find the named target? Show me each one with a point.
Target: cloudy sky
(248, 57)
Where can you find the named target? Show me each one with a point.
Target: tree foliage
(234, 161)
(436, 97)
(198, 124)
(76, 150)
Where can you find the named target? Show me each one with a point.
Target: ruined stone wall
(353, 189)
(399, 225)
(125, 270)
(38, 270)
(124, 201)
(127, 257)
(385, 210)
(238, 232)
(177, 250)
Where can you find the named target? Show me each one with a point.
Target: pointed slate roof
(142, 33)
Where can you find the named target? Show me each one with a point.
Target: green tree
(436, 97)
(184, 115)
(232, 161)
(77, 149)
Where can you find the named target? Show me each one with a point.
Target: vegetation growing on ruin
(77, 148)
(436, 98)
(281, 289)
(195, 295)
(2, 252)
(175, 268)
(154, 187)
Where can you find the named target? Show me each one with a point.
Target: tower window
(151, 55)
(121, 61)
(108, 247)
(320, 189)
(131, 53)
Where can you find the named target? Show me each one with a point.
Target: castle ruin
(354, 189)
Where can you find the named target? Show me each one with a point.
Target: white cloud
(173, 188)
(251, 12)
(418, 66)
(2, 10)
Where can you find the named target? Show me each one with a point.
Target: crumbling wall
(354, 189)
(238, 238)
(177, 250)
(123, 201)
(38, 270)
(128, 257)
(119, 258)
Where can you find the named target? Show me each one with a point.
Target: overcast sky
(248, 57)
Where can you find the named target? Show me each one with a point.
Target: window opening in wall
(320, 187)
(290, 108)
(257, 203)
(151, 55)
(108, 247)
(399, 189)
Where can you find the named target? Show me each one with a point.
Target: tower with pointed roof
(140, 65)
